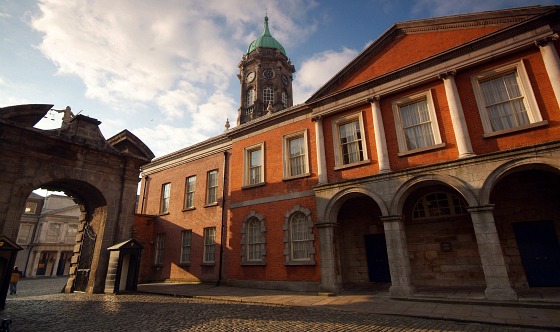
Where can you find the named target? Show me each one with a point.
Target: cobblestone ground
(39, 306)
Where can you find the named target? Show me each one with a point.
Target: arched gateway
(100, 174)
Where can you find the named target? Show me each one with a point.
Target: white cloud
(451, 7)
(317, 70)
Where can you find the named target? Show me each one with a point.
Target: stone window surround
(246, 165)
(244, 246)
(287, 237)
(286, 153)
(336, 140)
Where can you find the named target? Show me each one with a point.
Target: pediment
(128, 143)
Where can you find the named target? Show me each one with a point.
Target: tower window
(268, 95)
(284, 99)
(250, 97)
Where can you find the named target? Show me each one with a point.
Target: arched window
(253, 240)
(250, 97)
(284, 99)
(298, 237)
(437, 205)
(268, 95)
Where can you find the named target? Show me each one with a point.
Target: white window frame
(250, 97)
(53, 236)
(287, 160)
(160, 249)
(338, 153)
(27, 230)
(401, 137)
(209, 245)
(31, 207)
(165, 197)
(525, 87)
(71, 232)
(285, 99)
(268, 95)
(186, 246)
(253, 243)
(189, 192)
(212, 188)
(248, 168)
(307, 242)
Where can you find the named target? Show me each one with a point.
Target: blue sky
(167, 69)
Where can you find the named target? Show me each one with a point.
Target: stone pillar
(55, 266)
(498, 286)
(457, 115)
(379, 131)
(328, 257)
(397, 252)
(320, 144)
(551, 62)
(35, 263)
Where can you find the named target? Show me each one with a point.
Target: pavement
(536, 308)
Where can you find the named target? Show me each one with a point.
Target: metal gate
(85, 259)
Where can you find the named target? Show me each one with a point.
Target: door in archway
(378, 263)
(540, 252)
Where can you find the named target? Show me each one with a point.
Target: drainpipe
(224, 215)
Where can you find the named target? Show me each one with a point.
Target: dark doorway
(540, 252)
(378, 263)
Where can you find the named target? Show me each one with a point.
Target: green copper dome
(266, 40)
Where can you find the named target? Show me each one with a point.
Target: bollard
(5, 325)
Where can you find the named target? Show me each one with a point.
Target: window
(254, 162)
(189, 192)
(295, 155)
(298, 237)
(165, 196)
(30, 207)
(212, 187)
(250, 97)
(505, 98)
(349, 140)
(24, 234)
(284, 99)
(209, 244)
(438, 204)
(253, 240)
(416, 122)
(268, 95)
(71, 233)
(160, 247)
(53, 233)
(186, 242)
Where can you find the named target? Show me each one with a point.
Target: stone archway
(100, 174)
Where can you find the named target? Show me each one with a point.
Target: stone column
(35, 263)
(498, 286)
(457, 115)
(379, 131)
(397, 252)
(328, 257)
(320, 144)
(551, 62)
(55, 266)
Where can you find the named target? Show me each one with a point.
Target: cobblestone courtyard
(38, 306)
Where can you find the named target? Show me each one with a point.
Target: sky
(166, 70)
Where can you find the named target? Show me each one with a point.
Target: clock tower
(265, 74)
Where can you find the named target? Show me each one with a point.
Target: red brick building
(430, 160)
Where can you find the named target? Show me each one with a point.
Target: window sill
(208, 264)
(289, 178)
(259, 263)
(359, 163)
(513, 130)
(300, 263)
(427, 148)
(189, 209)
(211, 204)
(260, 184)
(163, 214)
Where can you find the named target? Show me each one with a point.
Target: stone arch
(101, 174)
(336, 202)
(429, 179)
(542, 163)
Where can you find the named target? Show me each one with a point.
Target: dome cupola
(266, 40)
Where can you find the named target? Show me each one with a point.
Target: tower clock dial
(250, 77)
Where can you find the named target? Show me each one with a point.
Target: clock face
(250, 77)
(268, 73)
(285, 79)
